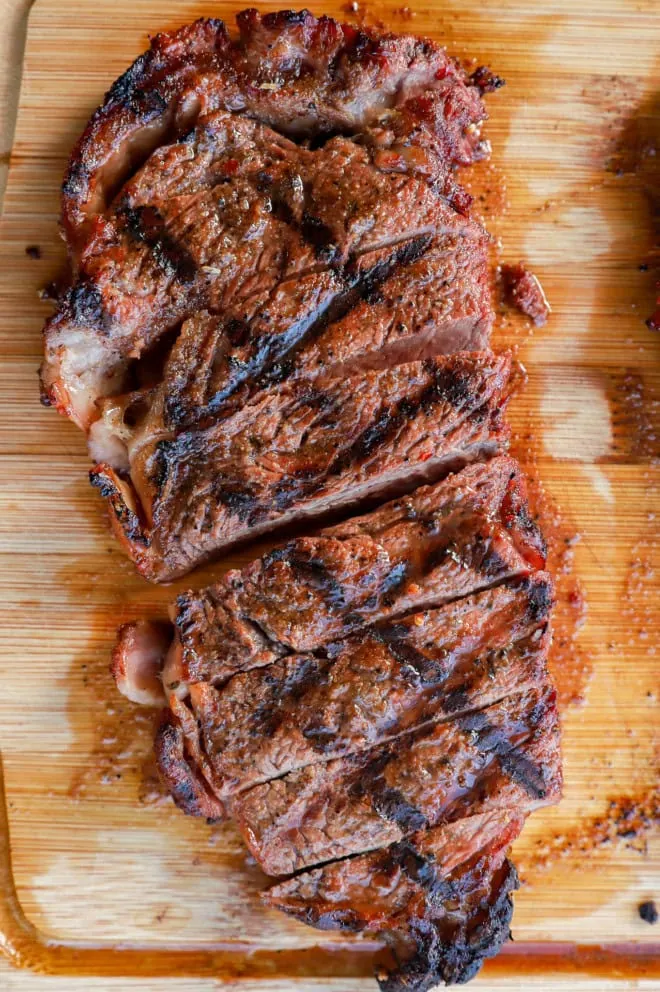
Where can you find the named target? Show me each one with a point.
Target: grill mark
(454, 388)
(392, 581)
(85, 306)
(239, 498)
(422, 870)
(146, 226)
(316, 574)
(423, 670)
(391, 804)
(539, 603)
(356, 289)
(388, 802)
(319, 236)
(268, 716)
(490, 740)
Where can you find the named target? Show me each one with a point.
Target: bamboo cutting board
(125, 887)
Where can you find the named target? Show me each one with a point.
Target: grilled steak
(369, 688)
(440, 543)
(190, 227)
(302, 450)
(441, 897)
(503, 757)
(280, 309)
(242, 215)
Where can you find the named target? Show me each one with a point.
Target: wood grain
(96, 857)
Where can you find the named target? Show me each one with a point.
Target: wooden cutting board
(125, 885)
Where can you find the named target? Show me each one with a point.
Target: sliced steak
(367, 689)
(442, 542)
(231, 207)
(302, 75)
(303, 450)
(435, 301)
(441, 898)
(503, 757)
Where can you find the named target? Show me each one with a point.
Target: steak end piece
(441, 898)
(142, 260)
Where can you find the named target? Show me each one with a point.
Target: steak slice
(305, 76)
(503, 757)
(430, 666)
(441, 898)
(442, 542)
(437, 305)
(302, 450)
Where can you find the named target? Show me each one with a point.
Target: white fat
(138, 659)
(172, 675)
(105, 445)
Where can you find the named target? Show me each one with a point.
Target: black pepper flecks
(648, 911)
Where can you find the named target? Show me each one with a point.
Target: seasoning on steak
(367, 689)
(302, 450)
(523, 291)
(441, 898)
(442, 542)
(503, 757)
(212, 124)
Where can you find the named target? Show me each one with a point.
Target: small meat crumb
(523, 291)
(648, 911)
(653, 322)
(485, 79)
(33, 251)
(50, 293)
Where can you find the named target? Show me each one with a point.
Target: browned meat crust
(198, 110)
(503, 757)
(181, 765)
(441, 897)
(440, 543)
(302, 450)
(430, 666)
